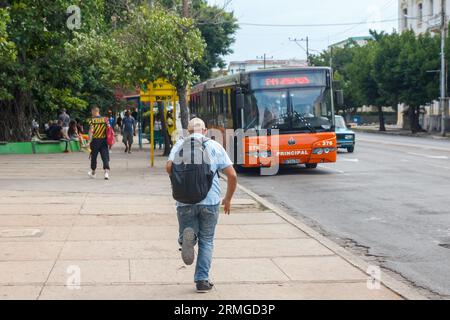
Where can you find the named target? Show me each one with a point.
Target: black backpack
(191, 176)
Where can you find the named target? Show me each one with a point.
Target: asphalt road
(389, 201)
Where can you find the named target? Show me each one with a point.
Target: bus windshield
(290, 110)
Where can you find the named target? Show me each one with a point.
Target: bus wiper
(303, 119)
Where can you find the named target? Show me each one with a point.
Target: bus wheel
(351, 149)
(311, 165)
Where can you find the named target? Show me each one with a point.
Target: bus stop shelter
(159, 91)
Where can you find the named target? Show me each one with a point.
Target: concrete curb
(402, 289)
(401, 134)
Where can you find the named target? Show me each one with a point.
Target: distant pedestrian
(134, 114)
(111, 119)
(65, 119)
(171, 128)
(196, 187)
(97, 137)
(119, 121)
(128, 131)
(158, 134)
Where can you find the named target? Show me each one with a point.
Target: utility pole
(307, 46)
(443, 66)
(264, 57)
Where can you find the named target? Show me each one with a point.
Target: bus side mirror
(240, 101)
(339, 94)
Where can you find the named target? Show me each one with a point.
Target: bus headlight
(260, 154)
(321, 151)
(318, 151)
(349, 137)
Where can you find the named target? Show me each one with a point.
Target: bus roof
(241, 78)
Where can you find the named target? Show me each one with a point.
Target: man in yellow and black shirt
(97, 135)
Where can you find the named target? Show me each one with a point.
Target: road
(389, 201)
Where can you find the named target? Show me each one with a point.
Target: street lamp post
(443, 104)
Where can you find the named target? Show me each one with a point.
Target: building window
(420, 14)
(405, 18)
(431, 7)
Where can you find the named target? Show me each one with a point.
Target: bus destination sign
(280, 80)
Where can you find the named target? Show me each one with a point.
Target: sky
(253, 41)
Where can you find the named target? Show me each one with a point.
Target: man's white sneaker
(91, 175)
(106, 175)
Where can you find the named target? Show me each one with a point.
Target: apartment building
(420, 15)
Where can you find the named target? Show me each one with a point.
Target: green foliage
(391, 69)
(217, 27)
(158, 44)
(45, 66)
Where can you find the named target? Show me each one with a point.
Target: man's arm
(91, 133)
(169, 167)
(231, 188)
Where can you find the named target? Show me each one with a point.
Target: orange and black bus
(296, 105)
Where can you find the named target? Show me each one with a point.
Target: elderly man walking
(194, 166)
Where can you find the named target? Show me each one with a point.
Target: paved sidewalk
(397, 131)
(122, 237)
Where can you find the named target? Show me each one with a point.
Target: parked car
(345, 136)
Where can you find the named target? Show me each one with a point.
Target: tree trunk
(381, 119)
(184, 110)
(16, 118)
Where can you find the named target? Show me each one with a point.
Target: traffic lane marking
(428, 156)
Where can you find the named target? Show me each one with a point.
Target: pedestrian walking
(128, 131)
(98, 142)
(119, 121)
(193, 166)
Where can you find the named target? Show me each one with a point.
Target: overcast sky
(252, 41)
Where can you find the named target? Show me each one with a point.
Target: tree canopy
(391, 69)
(45, 65)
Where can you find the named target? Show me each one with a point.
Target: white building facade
(420, 15)
(253, 65)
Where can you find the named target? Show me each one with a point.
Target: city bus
(294, 107)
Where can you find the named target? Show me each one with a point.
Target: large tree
(161, 44)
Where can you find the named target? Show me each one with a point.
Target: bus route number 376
(254, 310)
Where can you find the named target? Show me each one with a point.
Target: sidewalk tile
(319, 269)
(19, 292)
(126, 233)
(24, 272)
(32, 220)
(127, 292)
(269, 248)
(106, 250)
(16, 234)
(91, 272)
(39, 209)
(246, 270)
(275, 231)
(162, 271)
(251, 218)
(44, 250)
(128, 220)
(304, 291)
